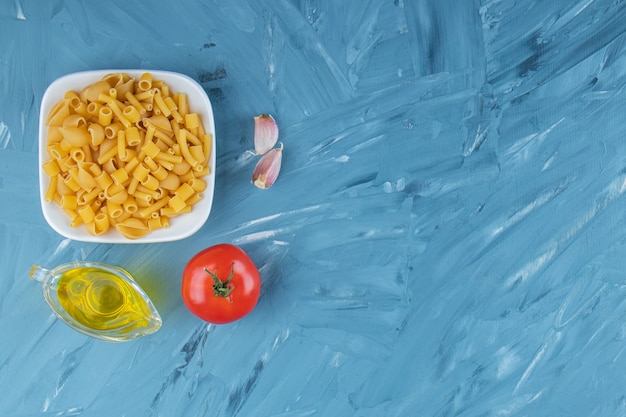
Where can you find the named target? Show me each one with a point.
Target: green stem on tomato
(222, 288)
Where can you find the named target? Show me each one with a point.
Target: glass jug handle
(38, 273)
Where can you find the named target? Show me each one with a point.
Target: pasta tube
(125, 155)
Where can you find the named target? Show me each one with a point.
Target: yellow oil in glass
(101, 300)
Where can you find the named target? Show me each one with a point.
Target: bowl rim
(181, 226)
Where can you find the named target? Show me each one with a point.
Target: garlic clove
(265, 133)
(268, 168)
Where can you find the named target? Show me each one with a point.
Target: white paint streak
(254, 237)
(527, 209)
(508, 362)
(479, 139)
(20, 10)
(614, 190)
(5, 135)
(266, 219)
(535, 361)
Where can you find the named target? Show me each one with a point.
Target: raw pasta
(125, 154)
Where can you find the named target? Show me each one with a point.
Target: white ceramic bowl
(181, 226)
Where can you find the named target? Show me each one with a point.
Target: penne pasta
(107, 155)
(192, 121)
(150, 182)
(184, 148)
(93, 108)
(102, 222)
(159, 173)
(132, 186)
(177, 203)
(150, 164)
(110, 131)
(145, 82)
(197, 152)
(169, 102)
(121, 144)
(154, 207)
(86, 213)
(158, 222)
(77, 154)
(184, 191)
(165, 137)
(182, 103)
(115, 210)
(164, 156)
(51, 191)
(195, 198)
(103, 180)
(144, 96)
(132, 99)
(131, 113)
(192, 138)
(141, 172)
(197, 184)
(76, 220)
(51, 168)
(125, 155)
(56, 152)
(87, 197)
(170, 212)
(71, 183)
(105, 116)
(120, 176)
(133, 138)
(80, 108)
(69, 202)
(205, 170)
(130, 205)
(143, 197)
(160, 104)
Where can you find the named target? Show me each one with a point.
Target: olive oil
(99, 300)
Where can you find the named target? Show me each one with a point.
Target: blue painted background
(447, 236)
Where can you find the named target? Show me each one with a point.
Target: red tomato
(221, 284)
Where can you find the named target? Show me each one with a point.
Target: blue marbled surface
(447, 236)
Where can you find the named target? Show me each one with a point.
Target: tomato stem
(222, 288)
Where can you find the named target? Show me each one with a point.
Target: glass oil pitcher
(98, 300)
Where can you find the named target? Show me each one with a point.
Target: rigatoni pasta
(127, 154)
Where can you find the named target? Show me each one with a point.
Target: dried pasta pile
(125, 153)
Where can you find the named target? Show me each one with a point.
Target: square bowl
(181, 226)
